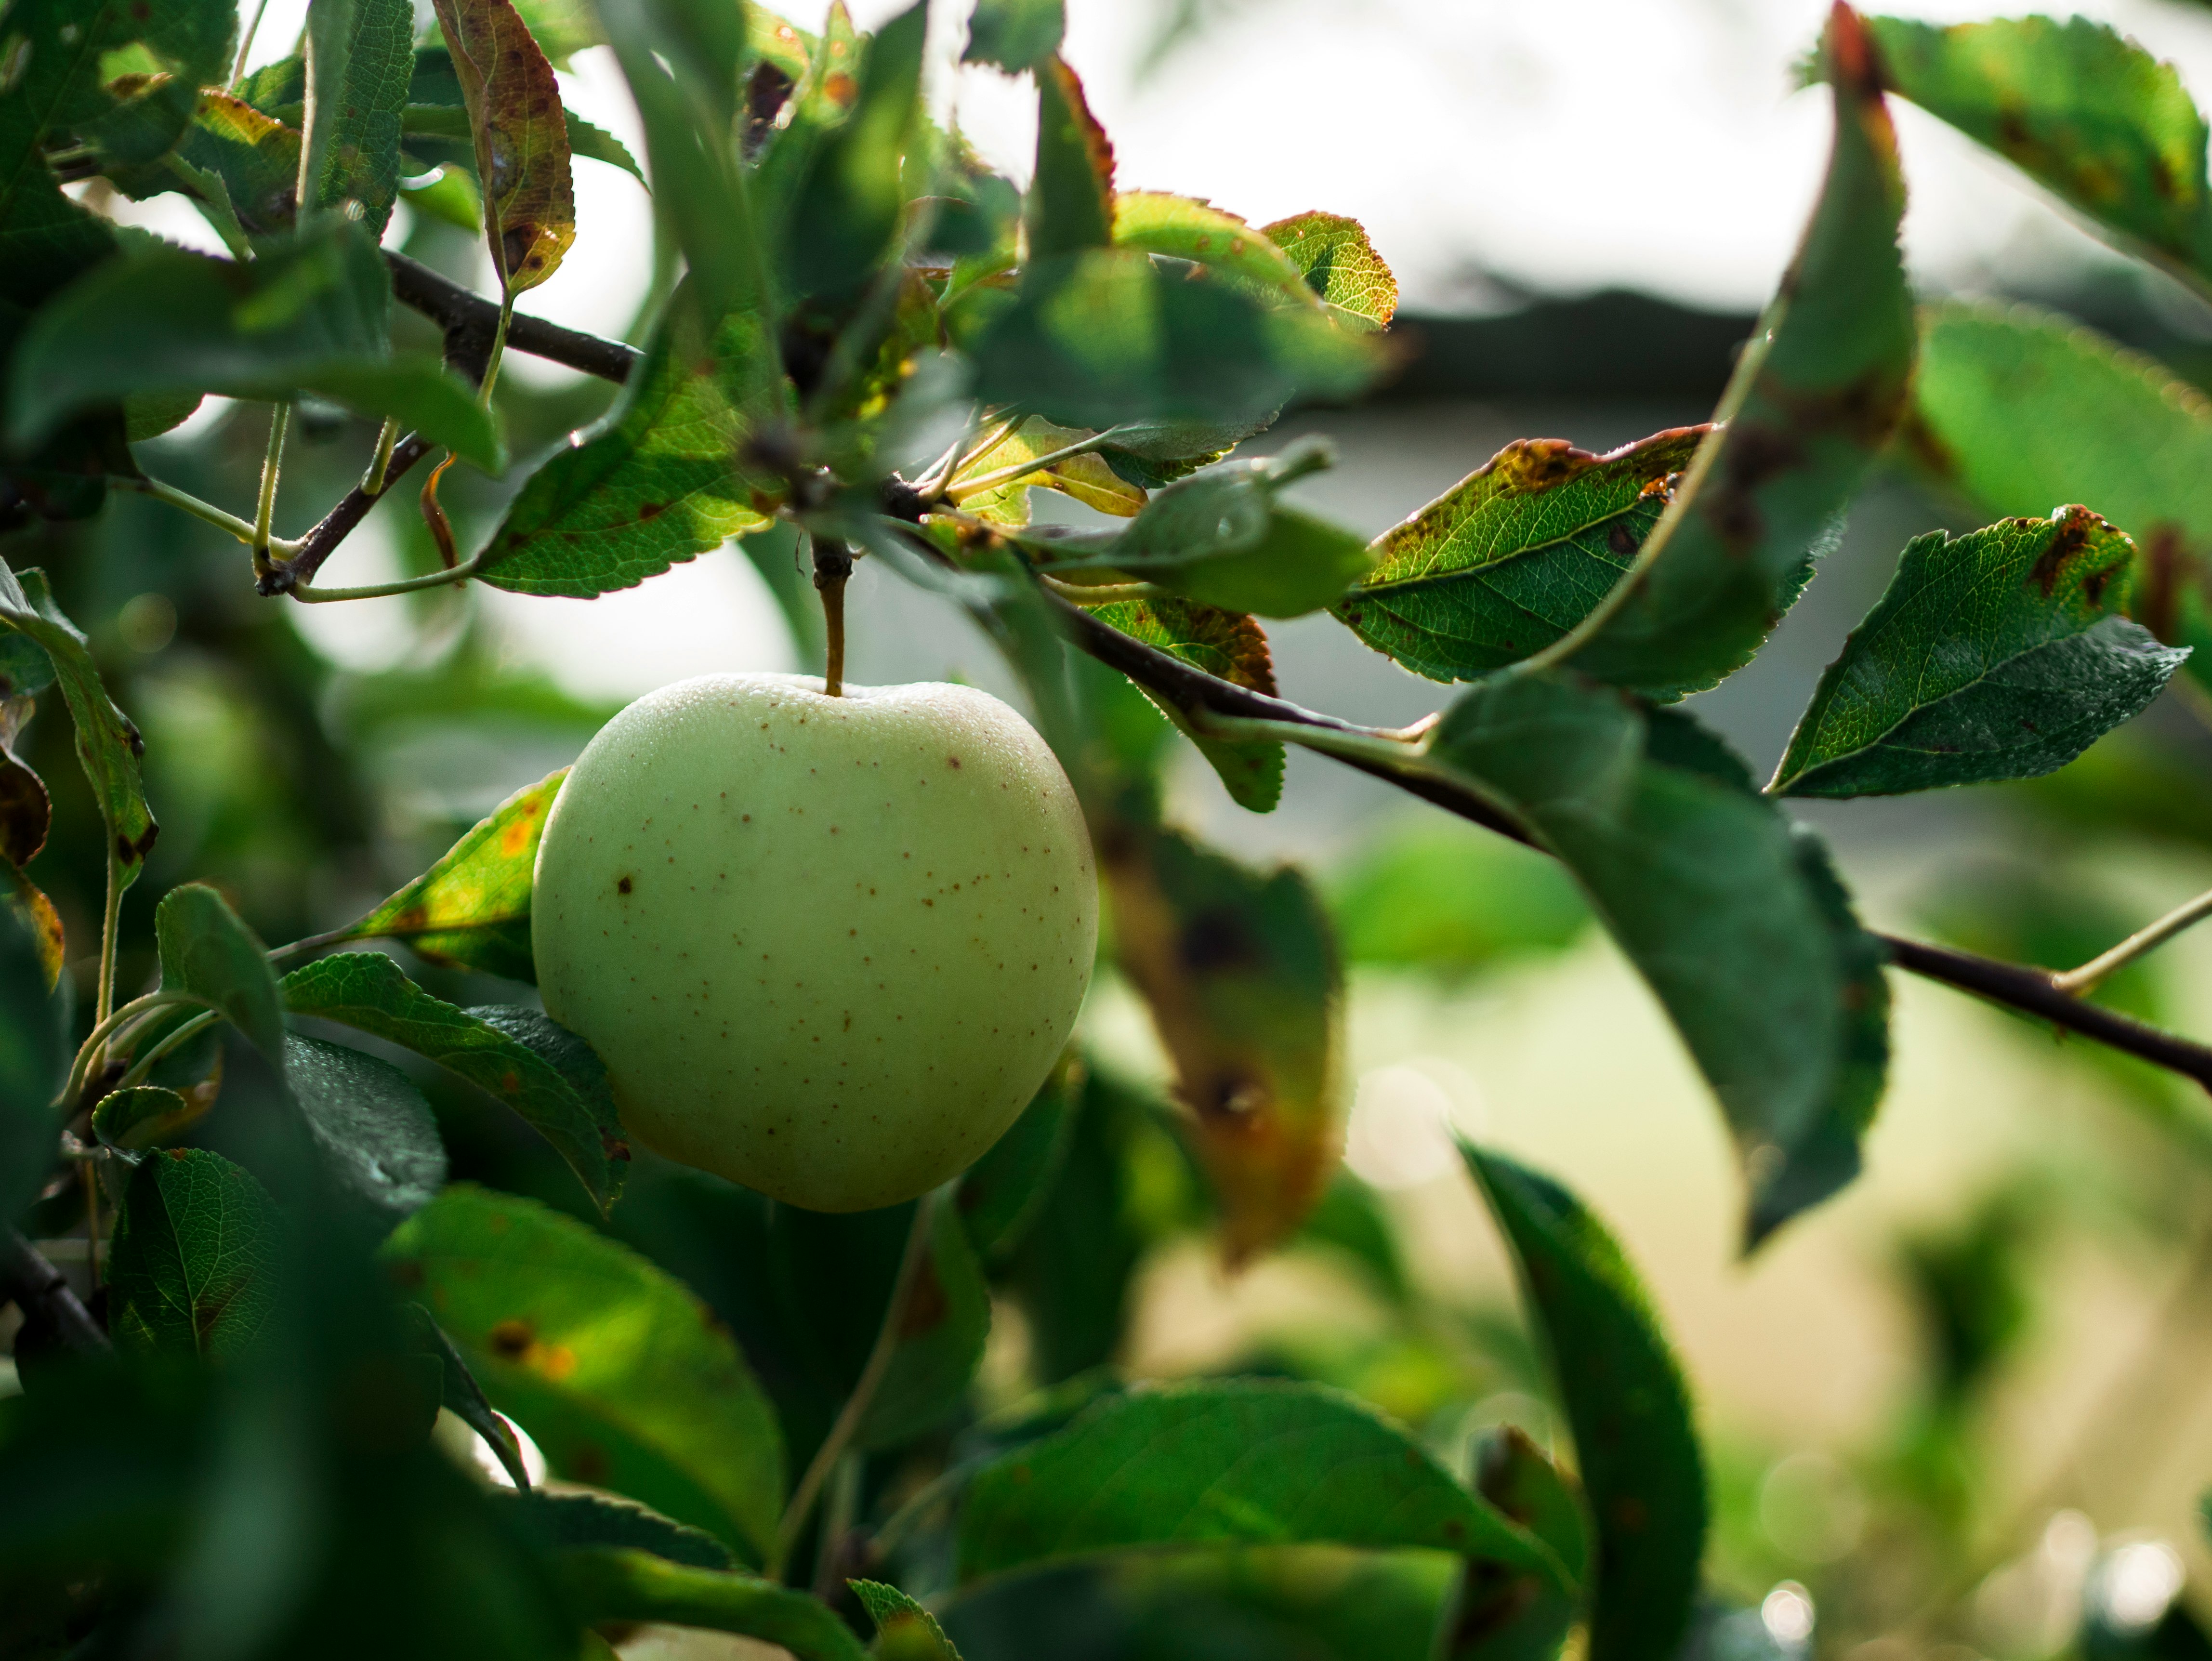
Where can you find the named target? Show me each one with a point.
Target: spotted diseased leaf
(1070, 199)
(108, 744)
(471, 909)
(521, 138)
(2082, 109)
(1812, 404)
(1515, 555)
(1244, 1461)
(209, 953)
(2002, 653)
(197, 1253)
(1626, 1404)
(661, 480)
(1340, 265)
(2016, 408)
(508, 1053)
(253, 156)
(1240, 972)
(1184, 227)
(621, 1376)
(1733, 919)
(1232, 646)
(904, 1630)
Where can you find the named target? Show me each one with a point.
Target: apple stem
(833, 565)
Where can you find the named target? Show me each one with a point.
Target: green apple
(828, 947)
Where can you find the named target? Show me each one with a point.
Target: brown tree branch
(2030, 991)
(50, 1307)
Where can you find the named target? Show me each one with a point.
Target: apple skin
(827, 947)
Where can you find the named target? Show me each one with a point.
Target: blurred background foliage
(1960, 1410)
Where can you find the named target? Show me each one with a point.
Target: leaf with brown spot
(612, 1366)
(198, 1252)
(471, 909)
(1230, 645)
(521, 138)
(1812, 403)
(544, 1073)
(1515, 555)
(2002, 653)
(1241, 973)
(1635, 1446)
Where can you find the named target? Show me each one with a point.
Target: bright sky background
(1646, 144)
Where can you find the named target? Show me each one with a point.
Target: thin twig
(458, 309)
(272, 465)
(39, 1290)
(2078, 980)
(863, 1389)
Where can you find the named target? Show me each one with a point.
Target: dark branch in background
(51, 1309)
(469, 321)
(2029, 991)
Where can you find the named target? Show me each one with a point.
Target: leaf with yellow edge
(521, 138)
(1184, 227)
(1229, 646)
(1340, 265)
(1086, 478)
(471, 909)
(1240, 969)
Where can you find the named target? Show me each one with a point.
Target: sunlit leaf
(1241, 974)
(904, 1630)
(564, 1094)
(1515, 555)
(1635, 1447)
(521, 138)
(2001, 654)
(1733, 919)
(659, 481)
(471, 909)
(208, 952)
(1086, 478)
(617, 1374)
(1812, 404)
(1233, 647)
(2082, 109)
(107, 744)
(1236, 1461)
(846, 211)
(1339, 264)
(255, 157)
(1187, 229)
(1071, 197)
(375, 1131)
(197, 1251)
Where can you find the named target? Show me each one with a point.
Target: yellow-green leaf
(521, 138)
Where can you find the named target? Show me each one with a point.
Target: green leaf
(1450, 898)
(1226, 644)
(1627, 1403)
(460, 1394)
(450, 194)
(375, 1131)
(33, 1062)
(1241, 1461)
(1812, 404)
(59, 89)
(904, 1630)
(1515, 555)
(845, 214)
(567, 1105)
(603, 1584)
(107, 746)
(1184, 227)
(311, 315)
(619, 1374)
(1339, 264)
(208, 952)
(1152, 452)
(656, 483)
(521, 138)
(360, 159)
(1070, 206)
(1999, 655)
(566, 1522)
(1002, 1193)
(197, 1256)
(2082, 110)
(563, 27)
(1240, 971)
(252, 157)
(146, 1115)
(1102, 336)
(1499, 1613)
(1733, 921)
(471, 909)
(1015, 35)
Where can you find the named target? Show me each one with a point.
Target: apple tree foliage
(758, 1414)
